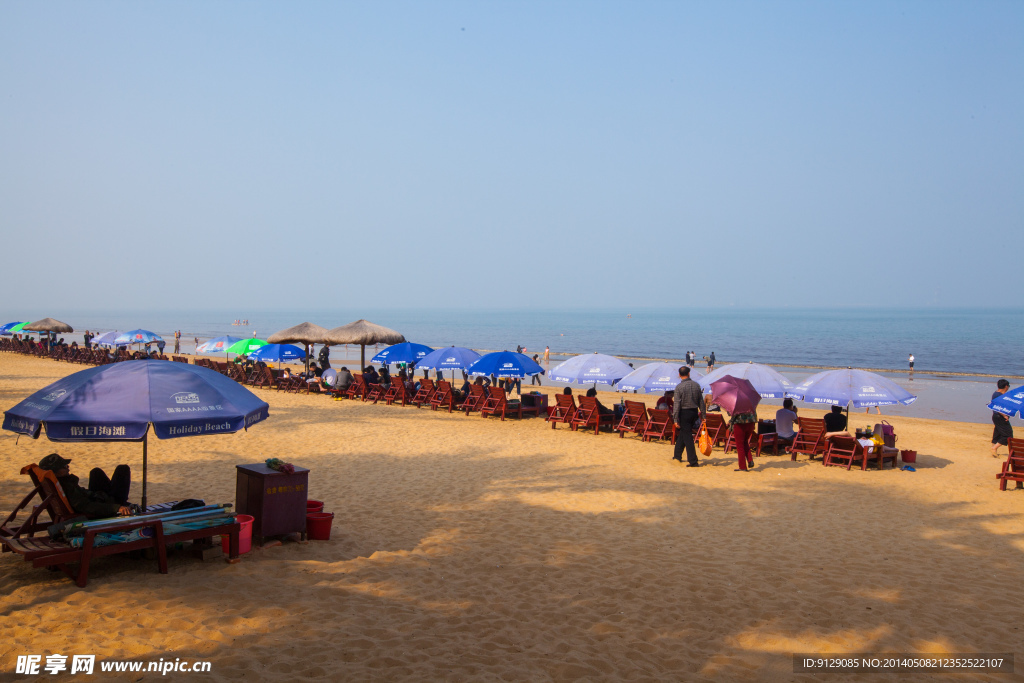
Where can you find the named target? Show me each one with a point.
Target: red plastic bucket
(314, 506)
(244, 536)
(318, 525)
(908, 456)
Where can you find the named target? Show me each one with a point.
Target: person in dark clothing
(384, 376)
(592, 393)
(325, 357)
(835, 421)
(370, 375)
(535, 379)
(1003, 430)
(688, 400)
(344, 379)
(105, 497)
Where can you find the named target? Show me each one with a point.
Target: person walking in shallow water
(911, 361)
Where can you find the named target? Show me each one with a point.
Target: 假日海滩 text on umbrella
(119, 402)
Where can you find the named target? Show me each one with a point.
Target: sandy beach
(473, 549)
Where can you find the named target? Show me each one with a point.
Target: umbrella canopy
(655, 377)
(505, 364)
(218, 345)
(245, 346)
(304, 333)
(137, 337)
(406, 352)
(49, 325)
(859, 387)
(363, 332)
(277, 353)
(107, 339)
(735, 395)
(9, 327)
(118, 402)
(590, 367)
(1009, 403)
(448, 358)
(767, 380)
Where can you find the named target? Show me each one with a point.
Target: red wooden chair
(424, 393)
(375, 392)
(358, 387)
(844, 449)
(442, 396)
(659, 425)
(564, 410)
(589, 415)
(1013, 468)
(474, 399)
(397, 392)
(634, 419)
(810, 438)
(497, 403)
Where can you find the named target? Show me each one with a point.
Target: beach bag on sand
(704, 441)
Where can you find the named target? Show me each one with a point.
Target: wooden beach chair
(423, 394)
(397, 392)
(358, 387)
(810, 438)
(564, 410)
(659, 425)
(1013, 468)
(845, 450)
(475, 399)
(589, 415)
(497, 403)
(634, 419)
(718, 428)
(442, 396)
(374, 392)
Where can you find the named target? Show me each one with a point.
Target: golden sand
(473, 549)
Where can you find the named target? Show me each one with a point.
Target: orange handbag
(703, 440)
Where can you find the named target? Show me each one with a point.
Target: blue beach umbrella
(1009, 403)
(654, 377)
(7, 329)
(218, 345)
(406, 352)
(119, 402)
(448, 358)
(843, 387)
(505, 364)
(766, 380)
(590, 367)
(138, 337)
(276, 353)
(107, 339)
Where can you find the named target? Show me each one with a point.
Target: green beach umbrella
(245, 346)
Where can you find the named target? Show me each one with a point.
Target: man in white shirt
(784, 419)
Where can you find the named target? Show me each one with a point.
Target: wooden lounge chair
(442, 396)
(423, 393)
(475, 399)
(634, 419)
(659, 425)
(810, 438)
(1013, 468)
(497, 403)
(358, 387)
(374, 392)
(564, 410)
(589, 415)
(846, 450)
(397, 392)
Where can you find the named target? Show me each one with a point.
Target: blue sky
(489, 155)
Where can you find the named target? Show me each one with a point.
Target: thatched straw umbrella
(364, 332)
(305, 333)
(49, 326)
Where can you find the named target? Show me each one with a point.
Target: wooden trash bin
(275, 500)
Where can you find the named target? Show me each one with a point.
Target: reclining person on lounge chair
(105, 497)
(592, 393)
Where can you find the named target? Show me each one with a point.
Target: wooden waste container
(276, 500)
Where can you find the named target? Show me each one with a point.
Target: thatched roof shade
(306, 333)
(49, 325)
(364, 332)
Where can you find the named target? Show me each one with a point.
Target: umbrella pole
(362, 357)
(145, 459)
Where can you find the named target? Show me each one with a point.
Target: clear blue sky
(500, 154)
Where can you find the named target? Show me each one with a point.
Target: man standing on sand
(1003, 429)
(688, 404)
(911, 361)
(177, 341)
